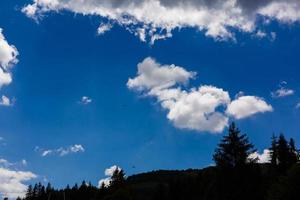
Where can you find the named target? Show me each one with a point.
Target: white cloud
(298, 105)
(246, 106)
(13, 181)
(5, 101)
(156, 19)
(5, 78)
(284, 11)
(151, 75)
(196, 109)
(85, 100)
(200, 109)
(109, 173)
(46, 153)
(8, 53)
(62, 151)
(261, 158)
(282, 91)
(103, 28)
(8, 58)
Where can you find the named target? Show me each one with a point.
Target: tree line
(236, 176)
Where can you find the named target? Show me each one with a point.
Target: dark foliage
(235, 177)
(234, 149)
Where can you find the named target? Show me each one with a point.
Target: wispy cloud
(282, 91)
(6, 163)
(62, 151)
(85, 100)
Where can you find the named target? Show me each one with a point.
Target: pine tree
(29, 193)
(293, 152)
(274, 151)
(283, 153)
(234, 149)
(49, 188)
(118, 178)
(103, 186)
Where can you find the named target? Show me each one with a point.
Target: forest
(235, 176)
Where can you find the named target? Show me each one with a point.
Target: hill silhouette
(236, 176)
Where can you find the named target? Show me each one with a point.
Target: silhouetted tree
(274, 151)
(293, 152)
(233, 178)
(117, 179)
(29, 193)
(234, 149)
(49, 188)
(283, 153)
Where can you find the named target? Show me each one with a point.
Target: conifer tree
(274, 151)
(234, 149)
(283, 153)
(293, 152)
(29, 193)
(118, 178)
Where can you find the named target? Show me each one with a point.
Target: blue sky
(62, 59)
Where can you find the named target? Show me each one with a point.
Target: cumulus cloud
(8, 53)
(8, 58)
(62, 151)
(5, 78)
(151, 75)
(246, 106)
(197, 109)
(200, 109)
(109, 173)
(85, 100)
(156, 19)
(282, 91)
(13, 181)
(261, 158)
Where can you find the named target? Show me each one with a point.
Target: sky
(89, 86)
